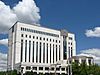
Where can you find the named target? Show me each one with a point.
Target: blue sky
(76, 16)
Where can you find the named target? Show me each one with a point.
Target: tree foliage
(29, 73)
(13, 72)
(83, 69)
(2, 73)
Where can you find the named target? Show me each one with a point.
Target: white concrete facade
(82, 59)
(36, 48)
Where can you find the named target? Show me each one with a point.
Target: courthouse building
(39, 49)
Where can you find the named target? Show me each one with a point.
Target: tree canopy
(83, 69)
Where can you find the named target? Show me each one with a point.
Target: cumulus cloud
(3, 62)
(93, 33)
(95, 53)
(7, 17)
(25, 11)
(4, 42)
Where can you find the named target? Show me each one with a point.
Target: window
(50, 53)
(56, 53)
(43, 52)
(53, 53)
(26, 36)
(70, 61)
(43, 38)
(71, 48)
(71, 43)
(25, 49)
(22, 68)
(63, 69)
(56, 41)
(47, 39)
(70, 38)
(53, 40)
(57, 69)
(21, 28)
(59, 41)
(46, 68)
(89, 61)
(71, 53)
(34, 68)
(59, 52)
(30, 36)
(36, 51)
(28, 67)
(40, 38)
(21, 49)
(21, 35)
(29, 50)
(77, 61)
(36, 37)
(84, 61)
(50, 40)
(33, 37)
(40, 68)
(40, 53)
(64, 48)
(52, 68)
(68, 48)
(25, 29)
(33, 51)
(47, 52)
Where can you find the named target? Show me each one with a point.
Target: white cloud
(95, 53)
(93, 33)
(3, 62)
(4, 42)
(7, 17)
(25, 11)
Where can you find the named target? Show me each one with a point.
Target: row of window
(39, 32)
(39, 38)
(70, 43)
(41, 68)
(70, 38)
(38, 47)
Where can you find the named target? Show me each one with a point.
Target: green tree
(2, 73)
(41, 74)
(75, 69)
(29, 73)
(83, 69)
(13, 72)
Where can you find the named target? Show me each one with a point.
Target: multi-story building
(39, 49)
